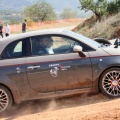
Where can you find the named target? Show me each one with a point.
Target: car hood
(111, 50)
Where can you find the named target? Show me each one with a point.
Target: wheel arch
(13, 97)
(103, 72)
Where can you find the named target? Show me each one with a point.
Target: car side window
(54, 44)
(18, 47)
(14, 50)
(64, 44)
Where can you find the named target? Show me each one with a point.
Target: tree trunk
(98, 17)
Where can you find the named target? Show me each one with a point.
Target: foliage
(10, 16)
(14, 21)
(8, 12)
(113, 7)
(30, 22)
(69, 13)
(104, 29)
(40, 11)
(98, 7)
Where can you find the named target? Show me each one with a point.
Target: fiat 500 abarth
(55, 63)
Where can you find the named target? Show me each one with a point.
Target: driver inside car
(46, 44)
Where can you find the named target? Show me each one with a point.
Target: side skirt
(59, 94)
(64, 93)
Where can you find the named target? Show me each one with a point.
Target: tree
(13, 21)
(113, 7)
(40, 11)
(69, 13)
(98, 7)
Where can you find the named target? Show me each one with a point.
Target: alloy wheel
(111, 83)
(3, 100)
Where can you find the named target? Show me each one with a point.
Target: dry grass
(104, 29)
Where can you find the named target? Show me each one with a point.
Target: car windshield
(84, 38)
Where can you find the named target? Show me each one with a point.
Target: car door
(60, 71)
(13, 67)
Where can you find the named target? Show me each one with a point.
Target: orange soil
(96, 107)
(46, 25)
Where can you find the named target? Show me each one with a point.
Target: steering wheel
(72, 45)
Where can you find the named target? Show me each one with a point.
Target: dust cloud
(42, 106)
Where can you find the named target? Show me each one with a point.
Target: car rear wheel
(5, 99)
(110, 82)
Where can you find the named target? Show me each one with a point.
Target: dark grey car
(76, 65)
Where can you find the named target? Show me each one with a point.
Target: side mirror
(78, 49)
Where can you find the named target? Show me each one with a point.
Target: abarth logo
(54, 71)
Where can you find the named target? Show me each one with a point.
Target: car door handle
(33, 67)
(65, 67)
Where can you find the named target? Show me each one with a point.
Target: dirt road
(80, 107)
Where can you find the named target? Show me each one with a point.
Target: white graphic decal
(53, 65)
(54, 71)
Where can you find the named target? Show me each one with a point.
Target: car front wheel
(5, 99)
(110, 82)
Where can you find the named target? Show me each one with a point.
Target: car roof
(32, 33)
(5, 41)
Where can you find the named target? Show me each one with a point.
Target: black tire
(110, 82)
(6, 99)
(103, 41)
(117, 42)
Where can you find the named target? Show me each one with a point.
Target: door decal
(54, 71)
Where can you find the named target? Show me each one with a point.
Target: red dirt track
(80, 107)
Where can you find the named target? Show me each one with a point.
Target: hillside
(108, 28)
(11, 10)
(16, 28)
(57, 5)
(14, 4)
